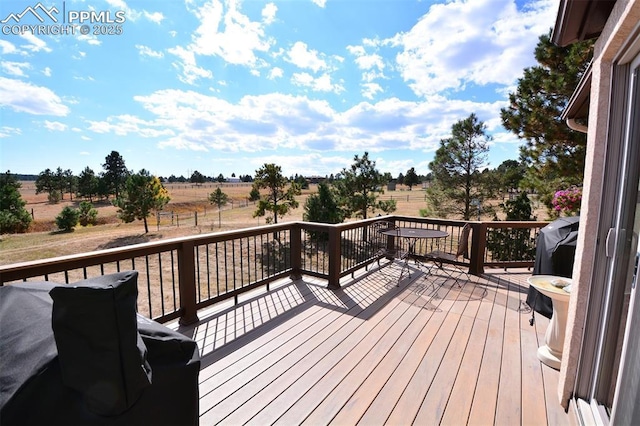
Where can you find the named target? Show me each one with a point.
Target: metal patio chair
(441, 258)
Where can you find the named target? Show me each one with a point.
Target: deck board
(373, 353)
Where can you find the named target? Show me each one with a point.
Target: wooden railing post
(334, 258)
(478, 247)
(187, 283)
(296, 251)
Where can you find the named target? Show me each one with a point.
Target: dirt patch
(129, 240)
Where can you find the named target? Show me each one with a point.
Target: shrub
(567, 201)
(513, 244)
(67, 219)
(87, 214)
(54, 197)
(14, 221)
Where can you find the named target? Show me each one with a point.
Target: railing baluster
(173, 280)
(161, 284)
(206, 247)
(146, 261)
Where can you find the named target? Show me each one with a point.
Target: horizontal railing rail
(176, 277)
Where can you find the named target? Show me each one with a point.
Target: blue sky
(226, 86)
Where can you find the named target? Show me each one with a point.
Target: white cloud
(147, 51)
(16, 69)
(269, 13)
(302, 57)
(155, 17)
(54, 126)
(318, 84)
(133, 14)
(7, 47)
(29, 98)
(224, 32)
(274, 73)
(47, 71)
(190, 120)
(6, 131)
(320, 3)
(125, 124)
(228, 34)
(190, 71)
(372, 64)
(480, 41)
(367, 62)
(35, 44)
(90, 39)
(370, 90)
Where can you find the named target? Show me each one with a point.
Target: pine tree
(555, 152)
(13, 216)
(456, 168)
(359, 186)
(143, 193)
(279, 199)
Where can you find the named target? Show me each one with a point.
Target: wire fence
(208, 216)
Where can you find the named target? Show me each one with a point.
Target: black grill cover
(34, 385)
(555, 253)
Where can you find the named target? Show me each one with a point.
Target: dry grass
(43, 241)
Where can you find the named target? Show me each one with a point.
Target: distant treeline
(25, 177)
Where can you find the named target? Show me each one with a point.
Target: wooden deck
(424, 352)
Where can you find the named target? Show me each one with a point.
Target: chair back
(376, 236)
(463, 242)
(381, 226)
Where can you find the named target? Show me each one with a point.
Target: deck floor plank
(509, 404)
(534, 411)
(483, 408)
(463, 390)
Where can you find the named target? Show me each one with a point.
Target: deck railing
(176, 277)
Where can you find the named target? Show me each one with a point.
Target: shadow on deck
(425, 352)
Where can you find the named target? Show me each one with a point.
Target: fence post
(478, 247)
(334, 257)
(187, 283)
(296, 251)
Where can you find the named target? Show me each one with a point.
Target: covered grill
(555, 252)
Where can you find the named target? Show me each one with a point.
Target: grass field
(43, 241)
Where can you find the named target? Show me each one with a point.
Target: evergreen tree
(411, 178)
(197, 178)
(358, 188)
(323, 206)
(143, 193)
(219, 198)
(67, 219)
(87, 214)
(46, 182)
(279, 199)
(254, 194)
(456, 168)
(88, 184)
(13, 216)
(555, 152)
(115, 173)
